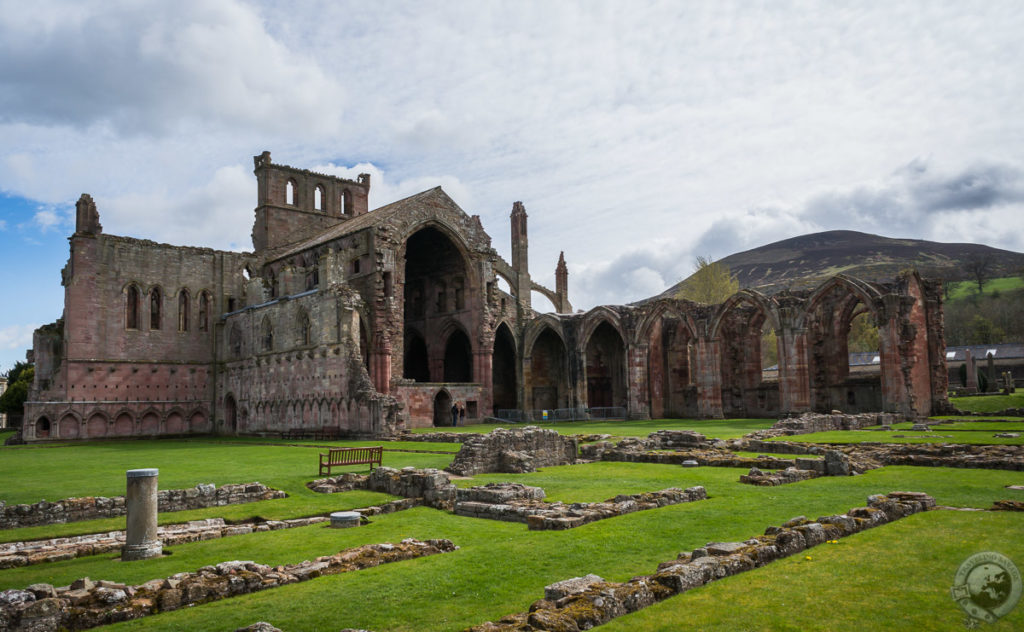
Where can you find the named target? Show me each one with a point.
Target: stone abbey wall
(374, 321)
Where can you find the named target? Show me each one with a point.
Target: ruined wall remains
(513, 451)
(94, 507)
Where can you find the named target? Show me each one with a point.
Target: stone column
(141, 508)
(709, 379)
(971, 382)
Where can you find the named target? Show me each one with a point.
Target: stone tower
(520, 254)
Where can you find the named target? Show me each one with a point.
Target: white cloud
(3, 224)
(16, 336)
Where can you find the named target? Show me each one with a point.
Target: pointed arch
(458, 357)
(131, 306)
(767, 306)
(304, 327)
(504, 365)
(593, 319)
(184, 309)
(862, 290)
(205, 306)
(156, 303)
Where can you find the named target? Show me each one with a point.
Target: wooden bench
(336, 457)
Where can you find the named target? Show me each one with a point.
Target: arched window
(272, 281)
(235, 340)
(289, 192)
(346, 202)
(318, 197)
(305, 328)
(131, 308)
(155, 304)
(183, 309)
(267, 334)
(204, 311)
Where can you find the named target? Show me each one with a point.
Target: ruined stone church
(367, 322)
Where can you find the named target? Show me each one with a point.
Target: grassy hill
(804, 261)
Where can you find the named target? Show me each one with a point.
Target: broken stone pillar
(141, 508)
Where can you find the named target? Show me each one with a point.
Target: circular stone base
(345, 519)
(134, 552)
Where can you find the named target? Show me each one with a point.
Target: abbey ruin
(372, 321)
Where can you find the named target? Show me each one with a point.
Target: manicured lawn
(718, 428)
(503, 567)
(98, 469)
(916, 558)
(935, 435)
(985, 426)
(989, 403)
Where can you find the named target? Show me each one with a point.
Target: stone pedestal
(345, 519)
(141, 508)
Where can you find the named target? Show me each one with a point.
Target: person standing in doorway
(455, 414)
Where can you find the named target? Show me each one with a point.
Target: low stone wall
(513, 502)
(14, 554)
(433, 487)
(87, 604)
(437, 437)
(585, 602)
(513, 451)
(710, 457)
(94, 507)
(816, 422)
(781, 477)
(991, 457)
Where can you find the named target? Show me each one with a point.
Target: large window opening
(416, 366)
(458, 358)
(673, 393)
(503, 369)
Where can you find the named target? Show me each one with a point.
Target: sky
(637, 134)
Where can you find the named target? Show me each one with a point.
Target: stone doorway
(442, 409)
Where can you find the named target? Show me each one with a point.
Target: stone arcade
(371, 321)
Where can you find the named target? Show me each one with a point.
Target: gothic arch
(862, 290)
(765, 305)
(536, 327)
(593, 319)
(663, 308)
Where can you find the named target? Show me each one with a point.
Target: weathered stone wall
(432, 486)
(14, 554)
(512, 502)
(513, 451)
(94, 507)
(583, 603)
(87, 604)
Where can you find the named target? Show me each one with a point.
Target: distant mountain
(804, 261)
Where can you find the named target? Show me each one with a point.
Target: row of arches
(153, 315)
(126, 423)
(291, 191)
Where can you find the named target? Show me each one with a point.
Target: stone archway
(231, 414)
(458, 358)
(442, 409)
(606, 368)
(503, 370)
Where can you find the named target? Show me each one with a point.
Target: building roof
(435, 197)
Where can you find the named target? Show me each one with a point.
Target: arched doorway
(42, 428)
(742, 330)
(458, 358)
(503, 370)
(673, 392)
(442, 409)
(606, 368)
(548, 382)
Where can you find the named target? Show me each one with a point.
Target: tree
(980, 266)
(12, 402)
(711, 283)
(863, 334)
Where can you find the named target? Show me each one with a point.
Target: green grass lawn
(966, 289)
(973, 437)
(916, 557)
(717, 428)
(985, 426)
(989, 403)
(502, 567)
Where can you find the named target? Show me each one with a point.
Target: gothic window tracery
(131, 308)
(183, 310)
